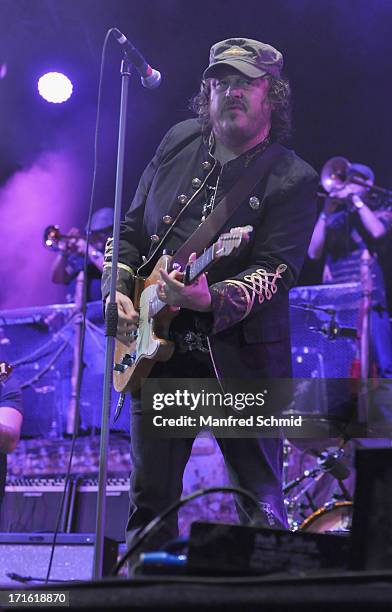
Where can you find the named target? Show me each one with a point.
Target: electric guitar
(134, 362)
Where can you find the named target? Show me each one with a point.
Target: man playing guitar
(235, 321)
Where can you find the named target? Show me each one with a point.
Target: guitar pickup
(126, 361)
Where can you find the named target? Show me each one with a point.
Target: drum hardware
(291, 501)
(310, 503)
(313, 474)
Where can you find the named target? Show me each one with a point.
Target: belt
(190, 341)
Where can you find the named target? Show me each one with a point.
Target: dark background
(337, 56)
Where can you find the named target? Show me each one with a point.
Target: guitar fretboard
(201, 263)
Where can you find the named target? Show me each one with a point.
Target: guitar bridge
(126, 361)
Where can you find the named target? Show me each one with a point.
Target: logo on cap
(235, 51)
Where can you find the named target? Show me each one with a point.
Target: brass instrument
(338, 175)
(56, 241)
(342, 179)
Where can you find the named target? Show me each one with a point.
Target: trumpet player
(346, 227)
(70, 259)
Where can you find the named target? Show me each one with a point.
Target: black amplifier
(32, 504)
(84, 511)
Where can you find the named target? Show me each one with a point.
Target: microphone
(150, 77)
(332, 330)
(331, 462)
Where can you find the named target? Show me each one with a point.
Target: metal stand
(364, 336)
(111, 328)
(77, 359)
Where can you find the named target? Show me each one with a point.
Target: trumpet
(342, 179)
(56, 241)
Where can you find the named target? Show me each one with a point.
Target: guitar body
(134, 361)
(151, 344)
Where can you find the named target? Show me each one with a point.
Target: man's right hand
(128, 318)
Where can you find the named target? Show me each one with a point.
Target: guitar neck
(200, 265)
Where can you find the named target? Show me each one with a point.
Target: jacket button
(196, 183)
(254, 202)
(167, 219)
(206, 165)
(154, 238)
(183, 199)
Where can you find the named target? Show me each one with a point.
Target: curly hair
(279, 95)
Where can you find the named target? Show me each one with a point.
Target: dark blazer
(250, 333)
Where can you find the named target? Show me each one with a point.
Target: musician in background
(11, 418)
(345, 228)
(235, 322)
(70, 260)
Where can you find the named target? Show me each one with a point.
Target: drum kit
(318, 488)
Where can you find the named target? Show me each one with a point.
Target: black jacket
(250, 292)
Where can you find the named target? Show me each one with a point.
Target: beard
(235, 130)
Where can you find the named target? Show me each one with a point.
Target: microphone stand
(331, 329)
(111, 319)
(364, 336)
(77, 359)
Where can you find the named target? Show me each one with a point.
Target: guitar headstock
(5, 370)
(231, 241)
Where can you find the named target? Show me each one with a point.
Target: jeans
(158, 466)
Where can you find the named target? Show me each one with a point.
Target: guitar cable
(154, 525)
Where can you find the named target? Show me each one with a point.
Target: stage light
(3, 70)
(55, 87)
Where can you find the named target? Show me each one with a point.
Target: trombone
(341, 179)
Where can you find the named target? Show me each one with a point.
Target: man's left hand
(173, 292)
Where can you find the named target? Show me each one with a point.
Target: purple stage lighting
(55, 87)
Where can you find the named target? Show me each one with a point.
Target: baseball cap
(250, 57)
(365, 172)
(102, 219)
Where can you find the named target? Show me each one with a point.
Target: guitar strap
(204, 235)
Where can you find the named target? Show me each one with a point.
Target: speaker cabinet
(117, 506)
(28, 555)
(32, 504)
